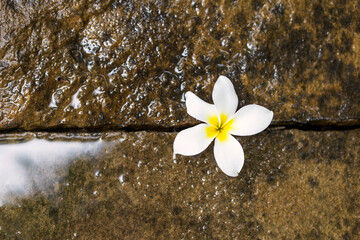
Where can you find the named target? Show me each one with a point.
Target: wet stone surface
(114, 64)
(303, 187)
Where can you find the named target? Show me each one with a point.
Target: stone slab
(294, 185)
(126, 64)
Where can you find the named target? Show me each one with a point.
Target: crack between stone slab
(314, 127)
(277, 126)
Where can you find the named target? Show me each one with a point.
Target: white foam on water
(34, 164)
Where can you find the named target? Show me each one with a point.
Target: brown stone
(115, 64)
(294, 185)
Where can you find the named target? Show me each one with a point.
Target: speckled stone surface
(114, 64)
(294, 185)
(125, 65)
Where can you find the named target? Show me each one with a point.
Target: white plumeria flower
(221, 122)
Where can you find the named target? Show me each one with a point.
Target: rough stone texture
(115, 64)
(306, 186)
(127, 64)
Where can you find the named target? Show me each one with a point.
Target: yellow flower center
(219, 127)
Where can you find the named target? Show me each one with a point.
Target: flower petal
(251, 119)
(192, 141)
(198, 108)
(224, 96)
(229, 155)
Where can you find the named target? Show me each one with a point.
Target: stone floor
(294, 185)
(115, 73)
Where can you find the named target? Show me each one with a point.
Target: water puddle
(37, 164)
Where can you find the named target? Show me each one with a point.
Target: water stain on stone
(313, 181)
